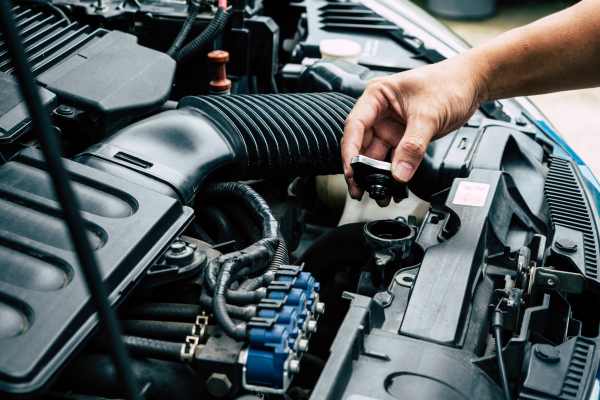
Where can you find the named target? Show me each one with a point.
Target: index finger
(362, 117)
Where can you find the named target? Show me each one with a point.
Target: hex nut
(320, 308)
(218, 385)
(294, 366)
(303, 345)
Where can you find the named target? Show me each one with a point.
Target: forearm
(559, 52)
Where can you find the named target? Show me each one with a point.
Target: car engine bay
(202, 139)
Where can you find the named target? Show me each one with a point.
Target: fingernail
(403, 171)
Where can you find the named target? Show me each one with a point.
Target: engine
(202, 139)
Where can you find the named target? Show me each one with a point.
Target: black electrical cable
(253, 257)
(244, 313)
(66, 197)
(185, 30)
(241, 297)
(234, 330)
(214, 28)
(497, 329)
(281, 257)
(271, 240)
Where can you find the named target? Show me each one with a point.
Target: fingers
(410, 150)
(362, 118)
(378, 149)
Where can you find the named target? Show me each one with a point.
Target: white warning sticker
(471, 194)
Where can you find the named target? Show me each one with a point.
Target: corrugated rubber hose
(275, 245)
(214, 28)
(185, 30)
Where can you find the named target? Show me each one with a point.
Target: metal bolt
(294, 366)
(550, 282)
(178, 246)
(320, 307)
(64, 110)
(311, 326)
(218, 385)
(302, 345)
(100, 6)
(377, 192)
(384, 299)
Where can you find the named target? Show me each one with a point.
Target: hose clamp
(199, 328)
(189, 347)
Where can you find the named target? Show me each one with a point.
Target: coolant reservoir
(340, 49)
(332, 190)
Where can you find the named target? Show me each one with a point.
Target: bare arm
(402, 113)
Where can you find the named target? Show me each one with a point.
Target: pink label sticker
(471, 194)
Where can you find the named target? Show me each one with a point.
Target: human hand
(402, 113)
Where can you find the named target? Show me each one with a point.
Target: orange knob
(219, 85)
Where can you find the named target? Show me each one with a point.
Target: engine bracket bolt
(294, 366)
(320, 307)
(302, 345)
(218, 385)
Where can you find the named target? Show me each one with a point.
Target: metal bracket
(199, 328)
(259, 322)
(567, 282)
(189, 347)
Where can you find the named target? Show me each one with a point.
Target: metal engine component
(492, 292)
(279, 334)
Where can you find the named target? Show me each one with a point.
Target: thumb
(410, 150)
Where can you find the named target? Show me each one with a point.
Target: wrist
(479, 73)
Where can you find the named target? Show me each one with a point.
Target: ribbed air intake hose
(238, 136)
(280, 134)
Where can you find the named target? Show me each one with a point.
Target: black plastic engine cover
(45, 309)
(113, 75)
(14, 118)
(105, 75)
